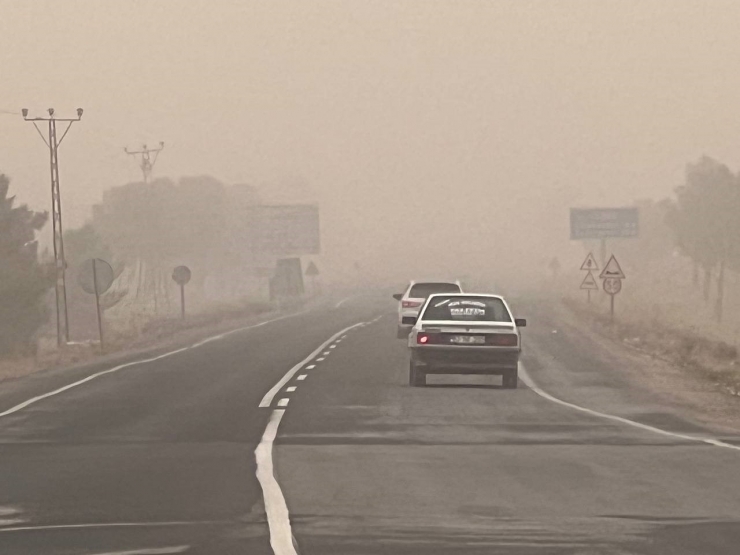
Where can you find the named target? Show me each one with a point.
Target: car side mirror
(520, 322)
(398, 296)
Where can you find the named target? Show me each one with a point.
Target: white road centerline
(62, 389)
(270, 395)
(278, 517)
(302, 377)
(542, 393)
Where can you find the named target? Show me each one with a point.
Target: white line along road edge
(38, 398)
(278, 519)
(270, 395)
(544, 394)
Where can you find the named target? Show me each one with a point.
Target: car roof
(418, 281)
(487, 295)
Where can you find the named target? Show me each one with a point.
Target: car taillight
(427, 338)
(410, 304)
(503, 339)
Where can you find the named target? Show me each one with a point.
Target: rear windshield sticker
(467, 311)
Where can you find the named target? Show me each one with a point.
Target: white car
(467, 333)
(416, 294)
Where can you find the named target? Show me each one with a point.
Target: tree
(705, 222)
(24, 281)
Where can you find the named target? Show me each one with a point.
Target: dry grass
(154, 333)
(711, 359)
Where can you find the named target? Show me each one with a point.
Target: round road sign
(102, 271)
(612, 286)
(181, 275)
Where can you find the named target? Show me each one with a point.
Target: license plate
(468, 339)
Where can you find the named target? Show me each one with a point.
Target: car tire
(510, 379)
(417, 378)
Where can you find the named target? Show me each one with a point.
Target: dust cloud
(440, 138)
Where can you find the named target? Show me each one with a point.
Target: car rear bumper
(465, 360)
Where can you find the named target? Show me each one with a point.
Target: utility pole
(145, 162)
(60, 264)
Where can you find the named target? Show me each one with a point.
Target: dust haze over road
(481, 122)
(438, 139)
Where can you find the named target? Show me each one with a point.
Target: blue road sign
(602, 223)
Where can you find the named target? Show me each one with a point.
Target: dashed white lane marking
(333, 346)
(302, 377)
(291, 389)
(38, 398)
(533, 386)
(310, 367)
(283, 402)
(149, 551)
(326, 353)
(278, 517)
(320, 359)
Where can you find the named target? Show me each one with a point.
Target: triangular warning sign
(612, 270)
(590, 263)
(312, 270)
(589, 282)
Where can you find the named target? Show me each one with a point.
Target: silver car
(465, 333)
(414, 297)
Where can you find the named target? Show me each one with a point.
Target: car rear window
(467, 309)
(423, 290)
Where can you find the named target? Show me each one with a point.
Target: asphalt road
(159, 457)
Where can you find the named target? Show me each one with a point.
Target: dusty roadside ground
(161, 333)
(699, 376)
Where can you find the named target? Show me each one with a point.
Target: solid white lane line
(245, 328)
(542, 393)
(291, 389)
(149, 551)
(340, 303)
(302, 377)
(278, 518)
(32, 528)
(62, 389)
(283, 402)
(267, 399)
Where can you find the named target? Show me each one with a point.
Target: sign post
(95, 277)
(612, 276)
(589, 282)
(312, 271)
(181, 275)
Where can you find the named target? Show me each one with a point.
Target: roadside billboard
(603, 223)
(285, 229)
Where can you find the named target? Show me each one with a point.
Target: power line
(145, 161)
(60, 263)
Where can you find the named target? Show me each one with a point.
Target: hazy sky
(431, 120)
